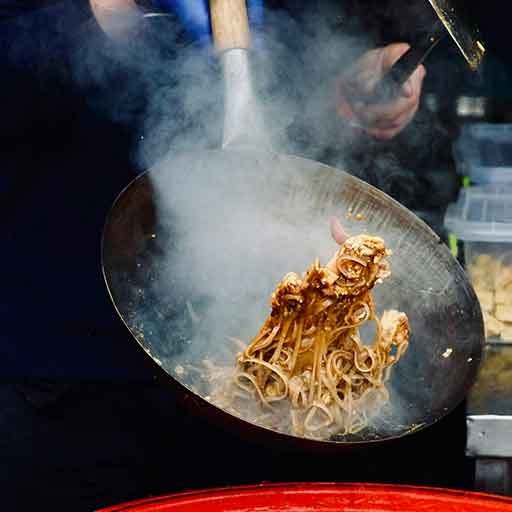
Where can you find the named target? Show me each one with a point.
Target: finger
(403, 120)
(397, 124)
(391, 54)
(337, 231)
(400, 120)
(390, 132)
(374, 63)
(362, 76)
(412, 87)
(390, 115)
(380, 116)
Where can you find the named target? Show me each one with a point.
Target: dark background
(83, 422)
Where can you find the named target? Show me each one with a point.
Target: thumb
(391, 54)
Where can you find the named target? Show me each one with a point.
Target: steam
(228, 231)
(236, 237)
(172, 90)
(233, 248)
(294, 66)
(226, 238)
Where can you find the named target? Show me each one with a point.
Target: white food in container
(482, 220)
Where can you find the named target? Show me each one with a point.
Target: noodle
(308, 356)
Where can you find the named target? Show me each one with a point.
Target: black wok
(193, 248)
(165, 281)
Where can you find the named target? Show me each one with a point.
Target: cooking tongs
(450, 21)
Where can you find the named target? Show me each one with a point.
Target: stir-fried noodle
(308, 356)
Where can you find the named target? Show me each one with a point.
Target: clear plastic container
(483, 152)
(482, 220)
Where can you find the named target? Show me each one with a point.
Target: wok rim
(322, 444)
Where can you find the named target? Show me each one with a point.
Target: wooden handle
(230, 25)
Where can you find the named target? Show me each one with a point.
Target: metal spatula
(462, 31)
(452, 21)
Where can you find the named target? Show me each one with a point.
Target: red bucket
(321, 498)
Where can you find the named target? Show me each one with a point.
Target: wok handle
(230, 24)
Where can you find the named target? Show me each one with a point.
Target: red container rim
(321, 497)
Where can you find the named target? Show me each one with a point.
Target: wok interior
(193, 249)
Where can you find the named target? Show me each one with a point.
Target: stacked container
(483, 153)
(482, 220)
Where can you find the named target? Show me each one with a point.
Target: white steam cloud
(232, 239)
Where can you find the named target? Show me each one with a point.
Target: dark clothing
(106, 444)
(73, 114)
(63, 166)
(74, 108)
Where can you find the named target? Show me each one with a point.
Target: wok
(193, 248)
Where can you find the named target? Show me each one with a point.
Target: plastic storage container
(482, 220)
(483, 152)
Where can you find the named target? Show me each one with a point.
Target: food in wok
(309, 362)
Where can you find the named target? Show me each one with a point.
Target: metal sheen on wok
(193, 248)
(151, 263)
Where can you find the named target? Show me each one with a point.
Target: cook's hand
(118, 17)
(382, 121)
(195, 14)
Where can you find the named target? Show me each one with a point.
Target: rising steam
(227, 238)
